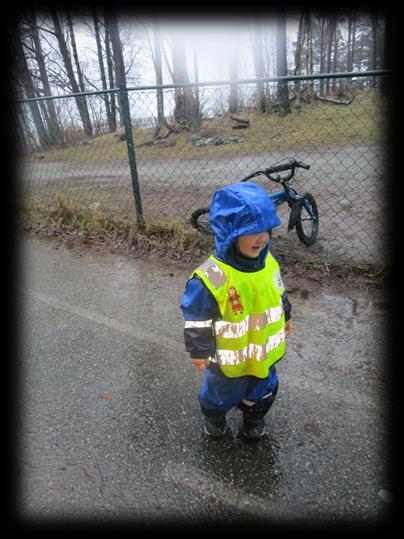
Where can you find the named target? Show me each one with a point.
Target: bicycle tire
(201, 222)
(308, 237)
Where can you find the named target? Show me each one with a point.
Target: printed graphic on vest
(234, 298)
(278, 281)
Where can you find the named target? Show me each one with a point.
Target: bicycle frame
(287, 195)
(294, 200)
(290, 196)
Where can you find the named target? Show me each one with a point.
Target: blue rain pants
(218, 392)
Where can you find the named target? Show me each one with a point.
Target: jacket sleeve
(287, 307)
(200, 310)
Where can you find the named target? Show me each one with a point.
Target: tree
(260, 99)
(110, 69)
(281, 63)
(23, 76)
(110, 117)
(80, 100)
(390, 44)
(350, 54)
(53, 124)
(331, 30)
(309, 51)
(298, 57)
(159, 79)
(196, 80)
(186, 110)
(321, 41)
(233, 72)
(111, 22)
(335, 60)
(74, 50)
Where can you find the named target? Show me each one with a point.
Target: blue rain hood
(240, 209)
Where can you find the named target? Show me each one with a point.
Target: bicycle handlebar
(291, 165)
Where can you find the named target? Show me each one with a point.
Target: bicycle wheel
(307, 221)
(200, 221)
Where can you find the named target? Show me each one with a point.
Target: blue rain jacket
(236, 210)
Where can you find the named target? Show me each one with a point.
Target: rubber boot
(253, 416)
(215, 423)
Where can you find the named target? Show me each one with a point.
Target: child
(237, 312)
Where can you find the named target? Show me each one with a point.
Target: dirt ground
(348, 183)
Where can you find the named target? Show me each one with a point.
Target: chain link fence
(174, 169)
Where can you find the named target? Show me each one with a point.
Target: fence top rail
(239, 82)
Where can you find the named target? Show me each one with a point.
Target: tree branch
(335, 101)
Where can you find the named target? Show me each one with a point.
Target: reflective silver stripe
(252, 322)
(198, 324)
(213, 273)
(248, 403)
(251, 351)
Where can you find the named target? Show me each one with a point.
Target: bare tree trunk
(390, 44)
(80, 100)
(22, 130)
(111, 123)
(196, 80)
(74, 49)
(353, 45)
(298, 58)
(322, 53)
(309, 53)
(351, 40)
(373, 50)
(281, 63)
(335, 57)
(23, 76)
(233, 68)
(54, 128)
(111, 21)
(259, 67)
(186, 111)
(331, 32)
(110, 67)
(159, 79)
(349, 55)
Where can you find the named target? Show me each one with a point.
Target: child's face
(251, 245)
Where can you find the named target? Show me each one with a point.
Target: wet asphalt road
(110, 427)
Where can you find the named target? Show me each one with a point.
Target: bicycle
(303, 208)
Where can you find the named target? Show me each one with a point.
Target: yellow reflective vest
(250, 336)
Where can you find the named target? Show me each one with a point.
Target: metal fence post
(123, 95)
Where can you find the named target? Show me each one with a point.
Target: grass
(171, 239)
(314, 125)
(66, 218)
